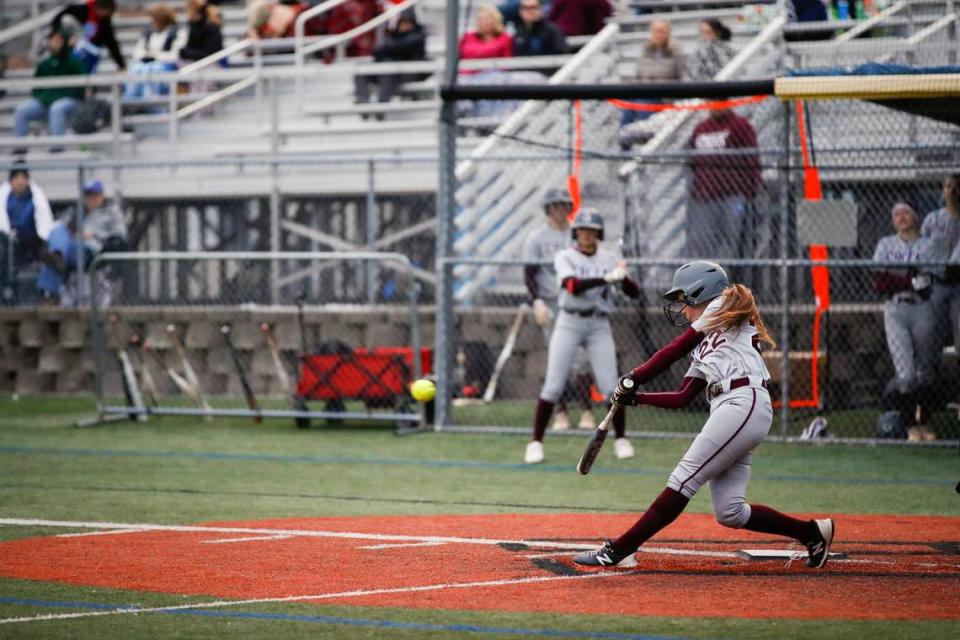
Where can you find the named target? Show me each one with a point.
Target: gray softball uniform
(582, 320)
(910, 321)
(740, 419)
(944, 230)
(544, 244)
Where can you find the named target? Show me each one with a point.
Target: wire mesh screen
(867, 189)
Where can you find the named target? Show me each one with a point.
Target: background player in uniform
(541, 245)
(724, 336)
(584, 273)
(943, 227)
(909, 318)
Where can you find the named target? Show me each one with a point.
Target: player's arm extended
(576, 286)
(678, 399)
(662, 359)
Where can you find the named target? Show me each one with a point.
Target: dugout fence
(204, 334)
(788, 181)
(846, 376)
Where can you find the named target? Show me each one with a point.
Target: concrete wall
(50, 350)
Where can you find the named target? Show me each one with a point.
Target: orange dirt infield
(898, 567)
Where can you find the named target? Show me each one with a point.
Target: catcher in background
(724, 337)
(585, 273)
(543, 243)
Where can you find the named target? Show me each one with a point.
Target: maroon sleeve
(576, 286)
(886, 282)
(530, 279)
(678, 399)
(630, 288)
(662, 359)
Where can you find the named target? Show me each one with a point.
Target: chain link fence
(850, 364)
(203, 334)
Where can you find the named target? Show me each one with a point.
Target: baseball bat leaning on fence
(303, 361)
(293, 400)
(599, 435)
(505, 353)
(178, 380)
(128, 378)
(189, 373)
(244, 383)
(149, 385)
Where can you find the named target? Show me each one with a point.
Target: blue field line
(450, 464)
(336, 620)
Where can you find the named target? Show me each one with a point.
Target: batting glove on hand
(541, 313)
(626, 390)
(617, 274)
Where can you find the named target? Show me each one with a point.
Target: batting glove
(617, 274)
(541, 313)
(626, 390)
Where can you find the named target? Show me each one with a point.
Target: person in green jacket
(55, 105)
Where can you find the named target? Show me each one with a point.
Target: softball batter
(540, 245)
(584, 275)
(909, 317)
(724, 336)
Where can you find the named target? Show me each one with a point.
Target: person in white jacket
(25, 223)
(157, 51)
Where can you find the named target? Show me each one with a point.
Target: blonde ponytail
(738, 307)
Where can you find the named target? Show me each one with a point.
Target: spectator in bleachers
(56, 104)
(25, 224)
(103, 230)
(347, 16)
(488, 39)
(405, 42)
(580, 17)
(95, 18)
(157, 51)
(713, 53)
(268, 19)
(534, 35)
(204, 37)
(724, 185)
(807, 11)
(661, 60)
(943, 228)
(909, 319)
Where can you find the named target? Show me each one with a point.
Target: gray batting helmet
(554, 196)
(588, 218)
(694, 283)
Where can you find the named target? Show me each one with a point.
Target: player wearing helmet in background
(585, 273)
(943, 228)
(723, 339)
(909, 321)
(541, 245)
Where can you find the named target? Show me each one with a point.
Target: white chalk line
(402, 545)
(322, 596)
(351, 535)
(86, 534)
(245, 539)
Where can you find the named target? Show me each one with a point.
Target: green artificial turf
(180, 470)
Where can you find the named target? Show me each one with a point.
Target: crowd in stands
(77, 35)
(40, 256)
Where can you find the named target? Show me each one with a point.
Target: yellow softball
(423, 390)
